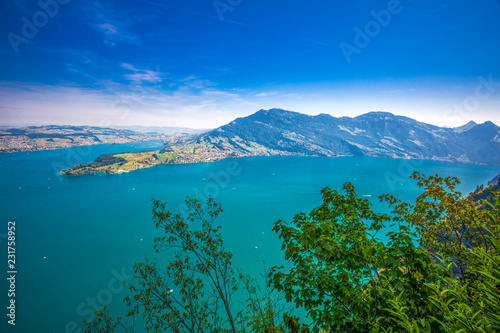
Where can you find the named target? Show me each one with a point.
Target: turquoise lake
(78, 237)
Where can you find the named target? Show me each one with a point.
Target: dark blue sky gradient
(177, 60)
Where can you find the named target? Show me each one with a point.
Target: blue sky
(203, 63)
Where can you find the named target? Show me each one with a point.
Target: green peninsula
(116, 163)
(182, 152)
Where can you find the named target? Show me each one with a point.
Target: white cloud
(109, 43)
(398, 91)
(114, 24)
(142, 75)
(108, 29)
(179, 102)
(119, 104)
(266, 94)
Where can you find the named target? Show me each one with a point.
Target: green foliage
(464, 240)
(264, 308)
(446, 223)
(338, 261)
(482, 196)
(194, 290)
(100, 161)
(437, 271)
(472, 303)
(105, 324)
(193, 305)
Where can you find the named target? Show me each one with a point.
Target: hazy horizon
(21, 125)
(204, 63)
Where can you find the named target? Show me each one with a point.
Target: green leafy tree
(428, 267)
(180, 292)
(194, 291)
(338, 260)
(447, 224)
(434, 271)
(470, 304)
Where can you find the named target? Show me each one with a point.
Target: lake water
(78, 237)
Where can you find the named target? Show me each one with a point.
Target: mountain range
(378, 134)
(280, 132)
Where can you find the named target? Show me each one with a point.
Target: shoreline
(145, 159)
(76, 146)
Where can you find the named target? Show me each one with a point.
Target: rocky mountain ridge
(378, 134)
